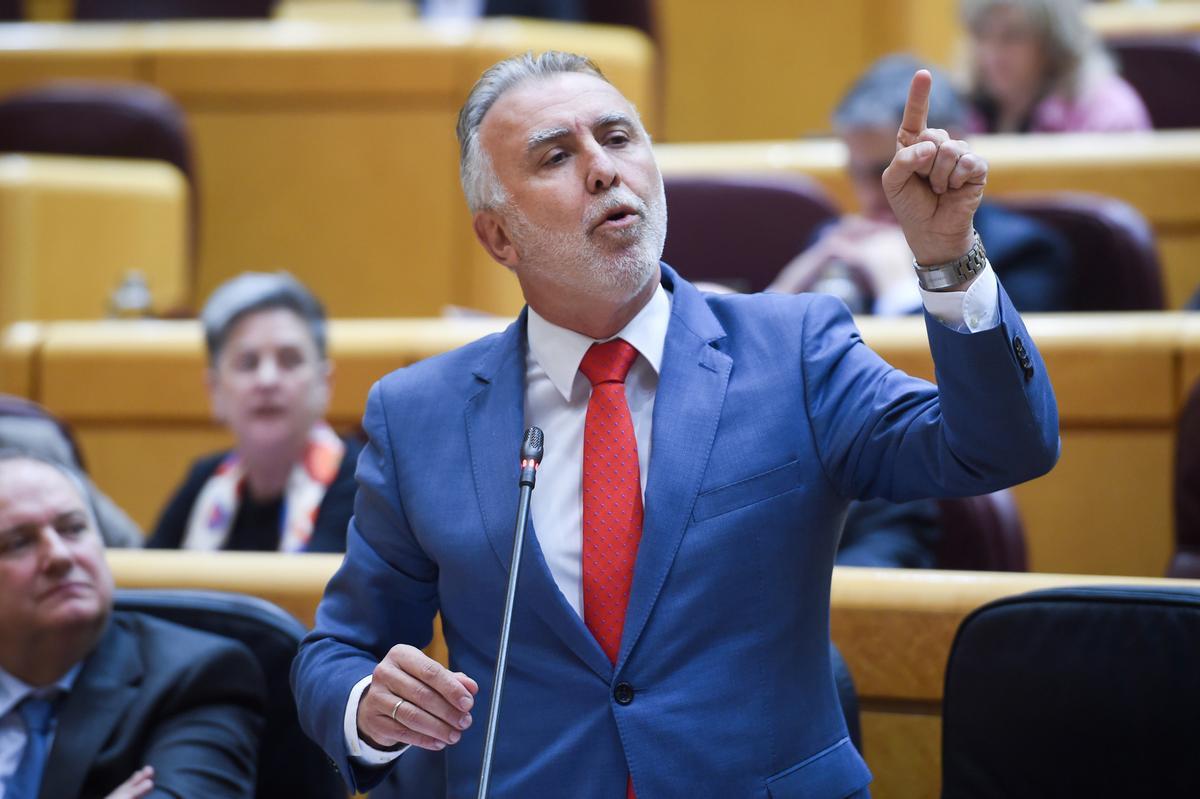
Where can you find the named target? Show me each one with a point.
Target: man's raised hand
(934, 183)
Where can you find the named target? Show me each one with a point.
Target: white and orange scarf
(216, 506)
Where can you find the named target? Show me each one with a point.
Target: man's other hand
(435, 708)
(139, 784)
(934, 183)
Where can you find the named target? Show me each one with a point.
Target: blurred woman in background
(288, 483)
(1037, 68)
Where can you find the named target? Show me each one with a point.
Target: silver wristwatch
(942, 276)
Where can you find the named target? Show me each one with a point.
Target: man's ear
(489, 229)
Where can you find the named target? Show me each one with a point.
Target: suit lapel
(687, 407)
(495, 427)
(104, 690)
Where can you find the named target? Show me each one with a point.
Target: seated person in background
(288, 484)
(864, 258)
(902, 535)
(1036, 67)
(99, 703)
(27, 428)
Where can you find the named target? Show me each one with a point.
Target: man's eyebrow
(615, 118)
(540, 137)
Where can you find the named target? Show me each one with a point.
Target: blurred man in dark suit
(95, 703)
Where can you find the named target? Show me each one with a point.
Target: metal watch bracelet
(953, 273)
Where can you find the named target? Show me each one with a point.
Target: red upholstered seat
(742, 230)
(1186, 560)
(1164, 69)
(1112, 244)
(982, 533)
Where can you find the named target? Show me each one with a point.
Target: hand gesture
(139, 784)
(934, 183)
(413, 699)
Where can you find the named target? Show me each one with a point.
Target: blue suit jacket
(770, 414)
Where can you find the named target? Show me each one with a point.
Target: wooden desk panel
(71, 228)
(19, 346)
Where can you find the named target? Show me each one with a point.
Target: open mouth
(619, 217)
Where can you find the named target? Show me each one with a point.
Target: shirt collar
(13, 690)
(559, 351)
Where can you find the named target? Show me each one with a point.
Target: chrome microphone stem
(531, 456)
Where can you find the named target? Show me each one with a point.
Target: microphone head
(531, 447)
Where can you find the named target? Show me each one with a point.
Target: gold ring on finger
(396, 707)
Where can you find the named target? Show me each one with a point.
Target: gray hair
(479, 182)
(74, 476)
(259, 291)
(877, 98)
(1072, 49)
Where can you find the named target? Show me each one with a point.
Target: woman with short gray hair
(1037, 68)
(288, 482)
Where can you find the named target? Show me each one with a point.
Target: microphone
(531, 458)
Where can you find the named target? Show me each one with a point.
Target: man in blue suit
(671, 634)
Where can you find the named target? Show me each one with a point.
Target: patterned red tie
(612, 497)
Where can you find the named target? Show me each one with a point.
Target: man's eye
(13, 543)
(73, 529)
(557, 158)
(617, 139)
(246, 363)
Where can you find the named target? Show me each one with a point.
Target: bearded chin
(585, 268)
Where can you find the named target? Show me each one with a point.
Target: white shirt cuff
(970, 311)
(360, 751)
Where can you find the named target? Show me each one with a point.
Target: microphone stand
(531, 457)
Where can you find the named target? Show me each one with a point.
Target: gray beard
(578, 264)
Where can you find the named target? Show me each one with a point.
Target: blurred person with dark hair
(288, 483)
(866, 256)
(1036, 67)
(101, 703)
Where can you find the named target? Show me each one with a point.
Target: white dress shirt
(556, 399)
(13, 734)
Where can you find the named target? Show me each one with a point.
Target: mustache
(612, 202)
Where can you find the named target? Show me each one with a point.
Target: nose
(268, 371)
(56, 555)
(602, 173)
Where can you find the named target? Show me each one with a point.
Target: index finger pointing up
(916, 109)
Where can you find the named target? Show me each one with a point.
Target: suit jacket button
(1018, 345)
(623, 693)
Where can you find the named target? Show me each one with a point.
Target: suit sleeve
(384, 593)
(991, 421)
(205, 741)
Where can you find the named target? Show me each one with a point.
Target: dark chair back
(1186, 560)
(634, 13)
(981, 533)
(1074, 692)
(290, 766)
(1164, 70)
(1111, 244)
(10, 11)
(172, 9)
(741, 230)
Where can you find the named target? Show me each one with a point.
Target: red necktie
(612, 497)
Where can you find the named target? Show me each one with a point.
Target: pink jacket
(1106, 105)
